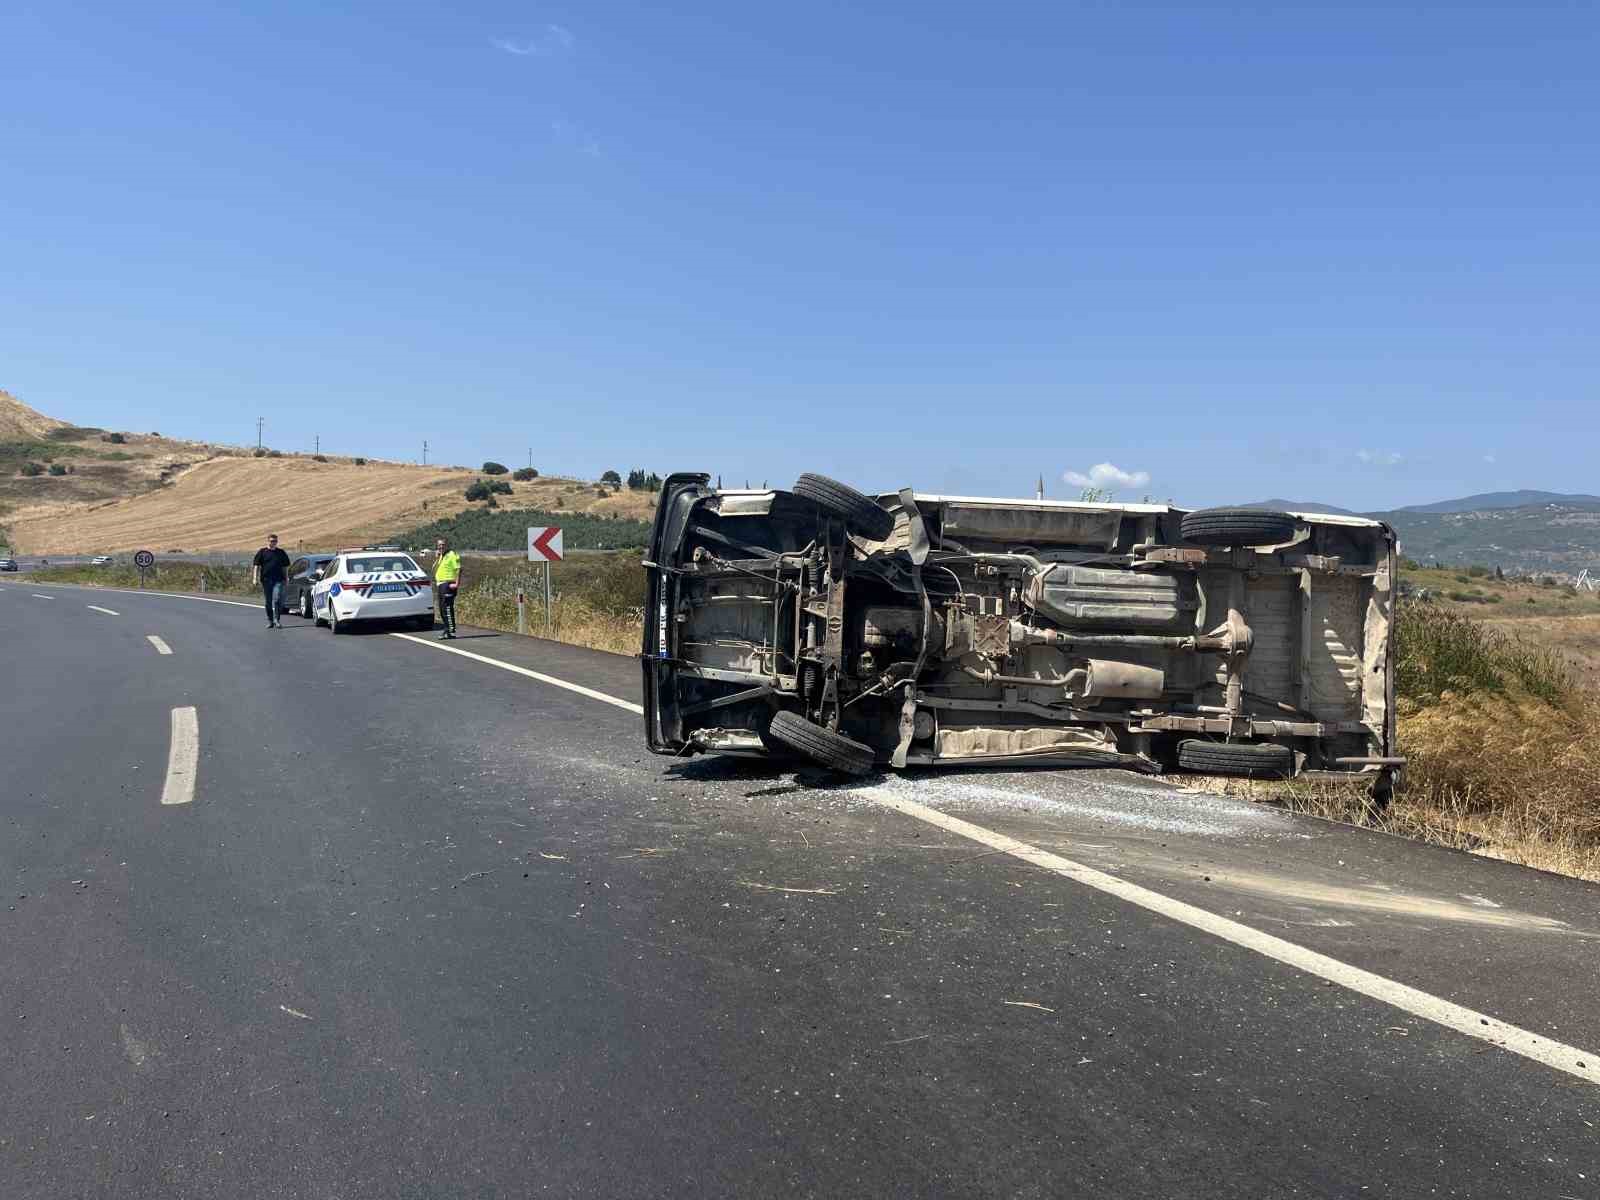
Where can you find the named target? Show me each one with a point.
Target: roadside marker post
(544, 546)
(522, 613)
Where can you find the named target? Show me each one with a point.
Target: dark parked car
(303, 572)
(8, 564)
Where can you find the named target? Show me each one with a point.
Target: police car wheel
(333, 620)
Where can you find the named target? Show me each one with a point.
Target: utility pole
(424, 451)
(259, 422)
(317, 444)
(530, 458)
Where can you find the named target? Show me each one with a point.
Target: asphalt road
(433, 928)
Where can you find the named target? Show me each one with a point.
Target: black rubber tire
(1259, 760)
(859, 512)
(1237, 527)
(333, 621)
(305, 604)
(423, 624)
(832, 750)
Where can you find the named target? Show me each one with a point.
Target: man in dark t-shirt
(270, 568)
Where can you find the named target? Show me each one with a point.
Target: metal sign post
(544, 545)
(144, 560)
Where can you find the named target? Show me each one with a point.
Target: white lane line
(42, 596)
(183, 760)
(148, 592)
(110, 612)
(540, 676)
(1570, 1060)
(161, 647)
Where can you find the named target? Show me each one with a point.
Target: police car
(374, 583)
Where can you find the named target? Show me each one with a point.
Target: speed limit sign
(144, 560)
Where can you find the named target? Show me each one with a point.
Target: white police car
(376, 583)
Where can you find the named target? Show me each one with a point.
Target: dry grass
(599, 599)
(1500, 733)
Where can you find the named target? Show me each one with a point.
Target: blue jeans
(271, 595)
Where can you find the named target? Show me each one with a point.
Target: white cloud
(1108, 476)
(1489, 458)
(549, 42)
(1381, 458)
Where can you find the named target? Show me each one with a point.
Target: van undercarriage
(919, 630)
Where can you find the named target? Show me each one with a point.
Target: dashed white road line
(170, 595)
(110, 612)
(183, 760)
(161, 647)
(629, 705)
(1570, 1060)
(42, 596)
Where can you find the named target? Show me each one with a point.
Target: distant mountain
(1492, 500)
(1524, 530)
(1300, 506)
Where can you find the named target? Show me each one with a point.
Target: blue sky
(1348, 254)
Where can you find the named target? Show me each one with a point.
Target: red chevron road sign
(544, 543)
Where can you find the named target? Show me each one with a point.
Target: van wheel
(1237, 527)
(1261, 760)
(859, 512)
(832, 750)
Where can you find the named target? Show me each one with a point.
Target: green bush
(31, 469)
(494, 468)
(116, 439)
(499, 487)
(319, 458)
(1477, 572)
(1438, 651)
(57, 469)
(258, 452)
(524, 474)
(612, 478)
(359, 461)
(477, 490)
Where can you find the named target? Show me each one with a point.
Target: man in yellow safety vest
(446, 582)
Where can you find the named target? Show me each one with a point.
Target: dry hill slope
(148, 491)
(19, 423)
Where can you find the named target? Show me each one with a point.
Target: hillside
(148, 491)
(19, 423)
(1562, 537)
(1522, 531)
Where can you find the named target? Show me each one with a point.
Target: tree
(116, 439)
(494, 468)
(524, 474)
(652, 482)
(359, 461)
(31, 469)
(612, 478)
(499, 487)
(478, 490)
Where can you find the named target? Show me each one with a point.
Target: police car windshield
(367, 564)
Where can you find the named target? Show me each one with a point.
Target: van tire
(859, 512)
(1261, 760)
(1237, 527)
(832, 750)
